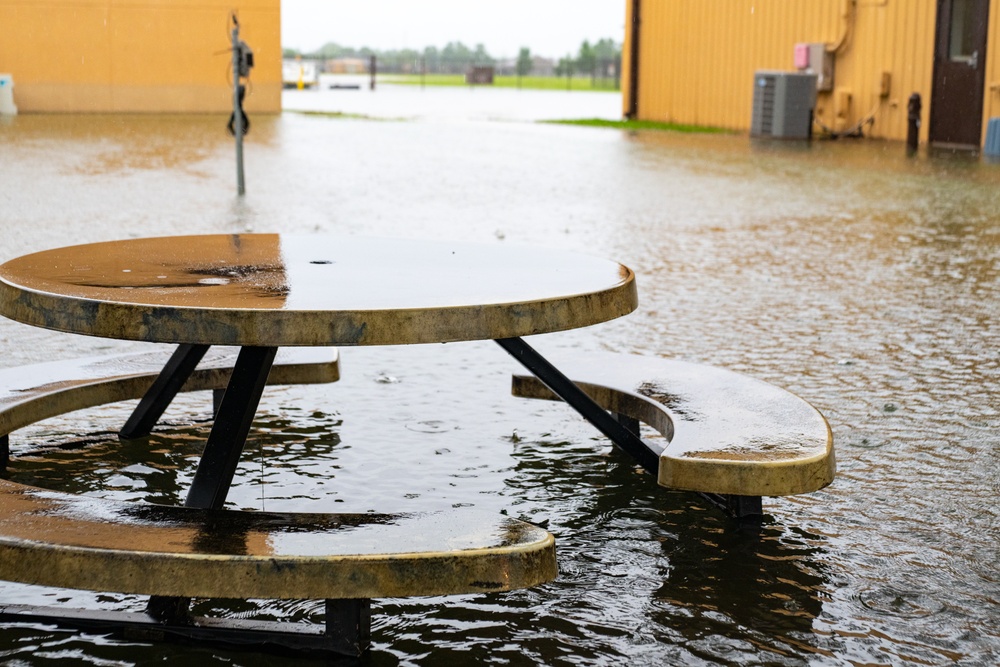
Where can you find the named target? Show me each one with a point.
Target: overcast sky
(547, 27)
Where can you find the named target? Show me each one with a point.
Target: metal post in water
(633, 66)
(913, 124)
(371, 69)
(237, 110)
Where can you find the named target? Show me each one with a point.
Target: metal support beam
(221, 456)
(620, 429)
(349, 625)
(225, 444)
(274, 637)
(631, 423)
(163, 390)
(738, 507)
(217, 396)
(576, 398)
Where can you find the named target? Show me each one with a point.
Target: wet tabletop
(277, 289)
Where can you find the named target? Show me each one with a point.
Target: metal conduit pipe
(847, 14)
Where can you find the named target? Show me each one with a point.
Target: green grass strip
(337, 114)
(640, 125)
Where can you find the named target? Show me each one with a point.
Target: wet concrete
(859, 279)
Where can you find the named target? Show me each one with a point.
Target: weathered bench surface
(58, 539)
(728, 433)
(31, 393)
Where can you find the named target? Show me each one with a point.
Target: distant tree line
(599, 60)
(454, 58)
(602, 59)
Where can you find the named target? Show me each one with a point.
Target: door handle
(974, 60)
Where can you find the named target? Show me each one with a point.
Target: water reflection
(695, 577)
(773, 577)
(158, 469)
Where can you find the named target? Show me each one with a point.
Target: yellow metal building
(694, 61)
(137, 55)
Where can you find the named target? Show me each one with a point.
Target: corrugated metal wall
(991, 103)
(697, 58)
(142, 56)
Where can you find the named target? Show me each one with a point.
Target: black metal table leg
(349, 625)
(348, 622)
(738, 507)
(222, 454)
(576, 398)
(170, 380)
(232, 424)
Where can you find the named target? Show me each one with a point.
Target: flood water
(862, 280)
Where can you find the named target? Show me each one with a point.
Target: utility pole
(237, 108)
(239, 124)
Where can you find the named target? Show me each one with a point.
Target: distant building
(347, 66)
(542, 66)
(506, 67)
(140, 56)
(480, 76)
(299, 73)
(696, 62)
(539, 67)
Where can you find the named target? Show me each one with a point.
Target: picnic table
(265, 291)
(262, 292)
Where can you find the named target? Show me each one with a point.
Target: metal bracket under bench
(729, 436)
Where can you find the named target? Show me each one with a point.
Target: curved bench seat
(31, 393)
(727, 433)
(58, 539)
(175, 553)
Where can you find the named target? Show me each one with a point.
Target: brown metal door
(959, 73)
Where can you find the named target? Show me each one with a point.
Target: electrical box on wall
(783, 104)
(815, 59)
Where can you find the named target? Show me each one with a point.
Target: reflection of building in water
(145, 56)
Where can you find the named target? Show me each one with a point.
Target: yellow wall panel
(137, 55)
(991, 105)
(698, 57)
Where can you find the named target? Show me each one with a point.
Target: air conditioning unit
(783, 104)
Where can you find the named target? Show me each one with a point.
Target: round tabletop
(278, 290)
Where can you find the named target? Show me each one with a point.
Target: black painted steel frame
(348, 622)
(576, 398)
(271, 636)
(620, 429)
(163, 390)
(232, 425)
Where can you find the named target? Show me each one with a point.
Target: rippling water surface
(863, 281)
